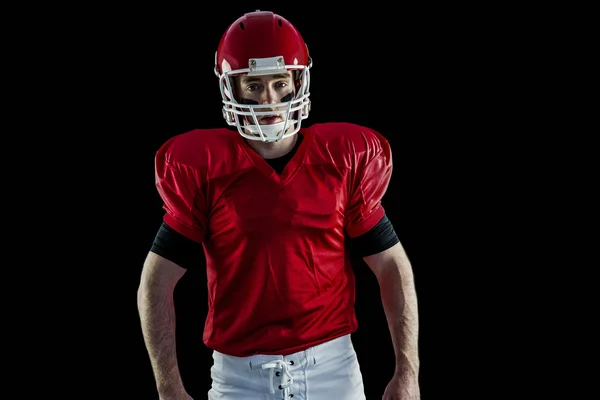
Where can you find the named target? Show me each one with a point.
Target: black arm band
(381, 237)
(177, 248)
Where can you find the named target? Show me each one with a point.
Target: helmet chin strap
(270, 131)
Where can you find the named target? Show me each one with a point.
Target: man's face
(267, 89)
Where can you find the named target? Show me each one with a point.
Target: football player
(273, 206)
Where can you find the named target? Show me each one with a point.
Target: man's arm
(157, 315)
(394, 274)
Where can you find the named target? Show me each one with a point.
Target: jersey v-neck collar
(292, 167)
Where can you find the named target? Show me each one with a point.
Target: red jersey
(279, 278)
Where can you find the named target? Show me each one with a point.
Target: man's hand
(402, 387)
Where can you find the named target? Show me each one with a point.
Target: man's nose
(269, 97)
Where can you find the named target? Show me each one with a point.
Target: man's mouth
(270, 119)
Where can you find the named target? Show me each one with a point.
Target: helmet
(263, 43)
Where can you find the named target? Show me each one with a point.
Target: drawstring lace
(283, 365)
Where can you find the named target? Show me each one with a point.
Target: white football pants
(328, 371)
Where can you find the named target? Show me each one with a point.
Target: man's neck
(273, 149)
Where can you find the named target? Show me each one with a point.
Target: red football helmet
(263, 43)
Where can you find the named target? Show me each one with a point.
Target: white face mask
(245, 116)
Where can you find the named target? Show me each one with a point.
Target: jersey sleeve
(179, 188)
(372, 173)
